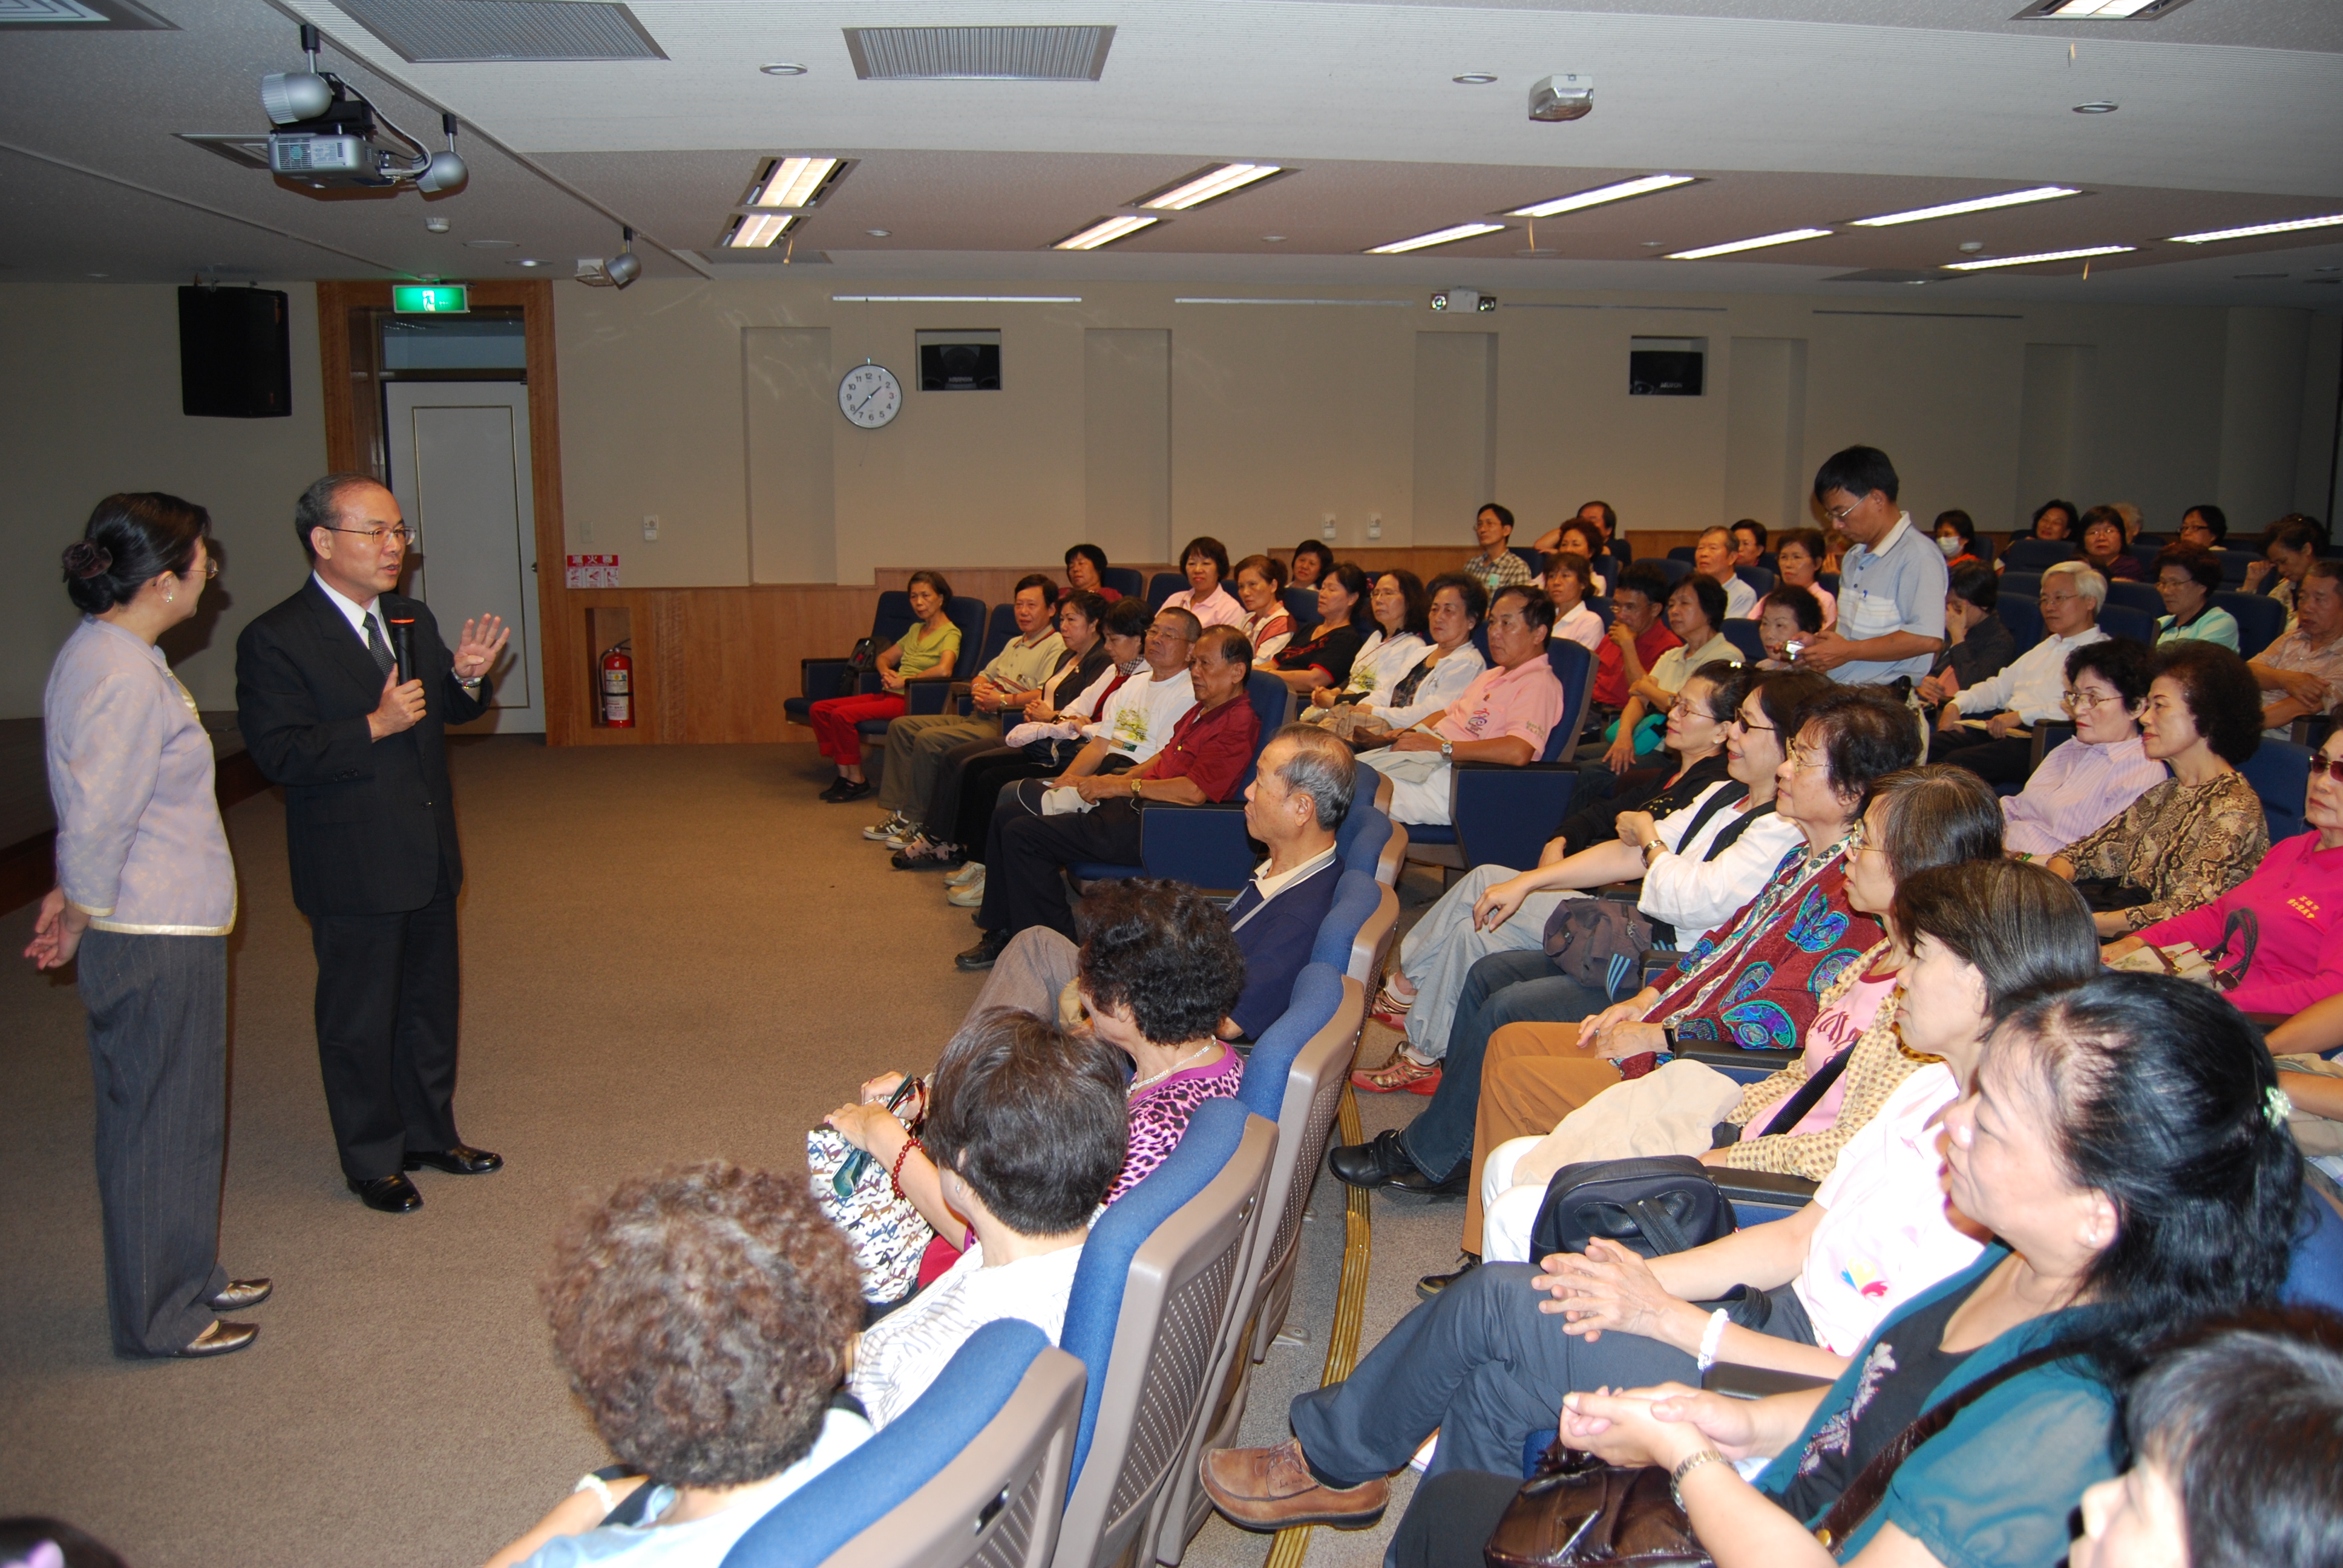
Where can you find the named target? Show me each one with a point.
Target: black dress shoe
(220, 1338)
(847, 790)
(240, 1295)
(1382, 1164)
(391, 1194)
(984, 954)
(460, 1160)
(1432, 1286)
(837, 790)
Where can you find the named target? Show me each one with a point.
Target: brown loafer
(1271, 1489)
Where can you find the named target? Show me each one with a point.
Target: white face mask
(1951, 547)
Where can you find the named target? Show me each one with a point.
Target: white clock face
(870, 396)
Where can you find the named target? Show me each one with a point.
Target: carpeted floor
(669, 953)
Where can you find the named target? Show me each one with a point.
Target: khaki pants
(1533, 1075)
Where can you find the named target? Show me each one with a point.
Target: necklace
(1151, 1082)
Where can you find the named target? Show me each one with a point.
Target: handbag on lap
(1654, 1206)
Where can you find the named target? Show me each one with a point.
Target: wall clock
(869, 396)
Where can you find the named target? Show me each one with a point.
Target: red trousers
(834, 718)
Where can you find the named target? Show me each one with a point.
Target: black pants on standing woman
(158, 1011)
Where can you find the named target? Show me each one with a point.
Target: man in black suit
(359, 746)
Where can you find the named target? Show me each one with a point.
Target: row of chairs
(1025, 1455)
(2132, 609)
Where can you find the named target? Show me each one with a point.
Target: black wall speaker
(235, 354)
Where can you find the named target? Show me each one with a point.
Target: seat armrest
(926, 694)
(817, 678)
(960, 699)
(1709, 1053)
(1774, 1189)
(1736, 1382)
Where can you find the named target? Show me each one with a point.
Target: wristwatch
(1447, 749)
(1134, 786)
(1649, 848)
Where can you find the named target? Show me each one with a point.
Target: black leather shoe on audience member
(460, 1160)
(240, 1295)
(1382, 1164)
(219, 1338)
(1432, 1286)
(391, 1194)
(984, 954)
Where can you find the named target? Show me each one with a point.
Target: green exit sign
(429, 299)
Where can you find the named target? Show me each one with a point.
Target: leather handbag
(1598, 942)
(1657, 1205)
(859, 663)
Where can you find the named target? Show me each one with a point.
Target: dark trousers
(943, 812)
(158, 1011)
(1501, 988)
(2007, 761)
(1026, 851)
(987, 775)
(1483, 1367)
(388, 993)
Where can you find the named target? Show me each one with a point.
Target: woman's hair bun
(87, 559)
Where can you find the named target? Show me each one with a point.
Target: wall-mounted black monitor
(1665, 366)
(959, 367)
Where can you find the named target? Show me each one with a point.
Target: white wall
(92, 376)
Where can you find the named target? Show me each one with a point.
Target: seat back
(1302, 604)
(2022, 614)
(1124, 580)
(2135, 595)
(1000, 630)
(1601, 606)
(1674, 568)
(2315, 1277)
(892, 618)
(973, 1472)
(1360, 841)
(967, 614)
(1829, 580)
(1149, 1307)
(2234, 563)
(2122, 621)
(1162, 585)
(1759, 579)
(1273, 704)
(1681, 553)
(2279, 772)
(1534, 560)
(2261, 620)
(1357, 897)
(2031, 555)
(1574, 667)
(1742, 635)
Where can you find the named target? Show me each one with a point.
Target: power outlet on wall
(650, 528)
(1374, 525)
(1327, 527)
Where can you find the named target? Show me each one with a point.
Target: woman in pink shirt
(2084, 782)
(1206, 597)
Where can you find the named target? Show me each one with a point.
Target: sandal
(1390, 1009)
(1403, 1072)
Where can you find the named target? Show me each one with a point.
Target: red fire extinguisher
(618, 687)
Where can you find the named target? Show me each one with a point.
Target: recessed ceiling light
(1437, 236)
(2096, 106)
(1207, 185)
(1106, 231)
(2290, 227)
(783, 69)
(2040, 257)
(2096, 10)
(491, 244)
(530, 261)
(436, 225)
(1654, 244)
(1601, 194)
(1473, 79)
(1977, 203)
(793, 182)
(1787, 237)
(756, 230)
(1272, 239)
(100, 274)
(879, 233)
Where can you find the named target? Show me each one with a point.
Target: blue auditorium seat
(1356, 898)
(2122, 621)
(2135, 595)
(1742, 633)
(1683, 553)
(817, 678)
(1759, 579)
(2316, 1279)
(1503, 815)
(1674, 570)
(2261, 620)
(1205, 846)
(927, 694)
(1124, 580)
(2279, 772)
(1302, 604)
(2031, 555)
(1162, 585)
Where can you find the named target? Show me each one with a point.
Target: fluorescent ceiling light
(1980, 204)
(2044, 255)
(1602, 193)
(2209, 236)
(1437, 236)
(1787, 237)
(793, 182)
(2109, 10)
(1221, 180)
(956, 299)
(1105, 231)
(756, 230)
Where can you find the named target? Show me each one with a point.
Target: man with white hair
(1987, 728)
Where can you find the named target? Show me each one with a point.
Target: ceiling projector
(327, 132)
(1463, 299)
(1564, 98)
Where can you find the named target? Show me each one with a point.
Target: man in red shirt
(1205, 760)
(1637, 638)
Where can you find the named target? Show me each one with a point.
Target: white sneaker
(895, 825)
(969, 871)
(902, 837)
(967, 895)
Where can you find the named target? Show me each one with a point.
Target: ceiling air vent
(979, 54)
(80, 15)
(480, 32)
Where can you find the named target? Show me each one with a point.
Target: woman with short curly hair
(704, 1314)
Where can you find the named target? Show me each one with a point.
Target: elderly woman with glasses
(2085, 781)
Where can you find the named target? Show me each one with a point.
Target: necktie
(377, 647)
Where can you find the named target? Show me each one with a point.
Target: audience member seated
(1891, 619)
(1609, 541)
(1207, 596)
(2186, 580)
(2053, 520)
(1503, 716)
(706, 1316)
(1261, 588)
(1798, 563)
(1298, 797)
(1695, 614)
(2117, 1148)
(1712, 558)
(917, 742)
(1586, 540)
(2288, 547)
(1567, 581)
(1697, 864)
(2199, 833)
(1957, 538)
(931, 648)
(1988, 728)
(1682, 774)
(1639, 636)
(1437, 677)
(1058, 722)
(2301, 674)
(1312, 562)
(1027, 1130)
(2204, 528)
(2232, 1440)
(2274, 941)
(2083, 783)
(1496, 567)
(1977, 646)
(1786, 616)
(1394, 645)
(1748, 543)
(1750, 982)
(2105, 547)
(1086, 572)
(1854, 1055)
(1325, 656)
(1037, 830)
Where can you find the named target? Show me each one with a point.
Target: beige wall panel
(1455, 434)
(2261, 412)
(1127, 442)
(2053, 448)
(2316, 449)
(1939, 395)
(2151, 406)
(1765, 431)
(790, 415)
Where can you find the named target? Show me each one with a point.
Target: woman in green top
(2186, 580)
(931, 648)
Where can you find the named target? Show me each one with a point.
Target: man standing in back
(359, 746)
(1891, 590)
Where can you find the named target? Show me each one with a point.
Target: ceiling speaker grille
(985, 54)
(463, 31)
(83, 15)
